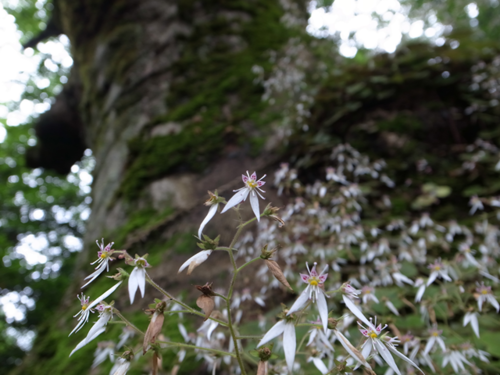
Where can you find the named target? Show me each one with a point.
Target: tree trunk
(171, 107)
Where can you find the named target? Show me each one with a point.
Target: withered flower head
(155, 325)
(206, 300)
(274, 267)
(272, 213)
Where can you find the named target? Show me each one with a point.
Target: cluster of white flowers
(443, 274)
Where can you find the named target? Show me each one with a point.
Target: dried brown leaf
(207, 304)
(277, 273)
(154, 329)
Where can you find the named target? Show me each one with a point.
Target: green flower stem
(126, 321)
(224, 248)
(230, 293)
(187, 307)
(247, 263)
(250, 337)
(301, 342)
(181, 345)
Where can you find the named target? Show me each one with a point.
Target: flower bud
(121, 275)
(332, 323)
(208, 244)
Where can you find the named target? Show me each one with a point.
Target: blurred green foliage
(39, 209)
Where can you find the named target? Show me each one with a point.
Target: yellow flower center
(484, 291)
(313, 282)
(437, 268)
(252, 184)
(104, 255)
(435, 334)
(84, 307)
(373, 335)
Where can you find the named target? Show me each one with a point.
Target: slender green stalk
(247, 263)
(230, 293)
(187, 307)
(181, 345)
(250, 337)
(301, 342)
(126, 321)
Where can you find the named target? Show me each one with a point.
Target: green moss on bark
(213, 96)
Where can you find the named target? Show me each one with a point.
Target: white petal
(366, 349)
(357, 312)
(429, 344)
(480, 303)
(320, 365)
(404, 358)
(433, 276)
(391, 307)
(254, 202)
(133, 284)
(349, 348)
(494, 302)
(86, 340)
(197, 258)
(211, 328)
(467, 318)
(81, 322)
(420, 293)
(104, 295)
(236, 199)
(289, 345)
(441, 343)
(211, 213)
(386, 355)
(299, 302)
(312, 336)
(323, 309)
(275, 331)
(98, 326)
(141, 280)
(475, 324)
(325, 341)
(96, 273)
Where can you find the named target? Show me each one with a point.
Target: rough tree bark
(168, 103)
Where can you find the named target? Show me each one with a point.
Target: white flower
(137, 278)
(383, 346)
(368, 294)
(121, 367)
(438, 269)
(106, 313)
(484, 295)
(475, 204)
(456, 360)
(87, 307)
(471, 317)
(314, 292)
(213, 202)
(103, 258)
(320, 339)
(289, 340)
(252, 187)
(435, 338)
(105, 349)
(195, 261)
